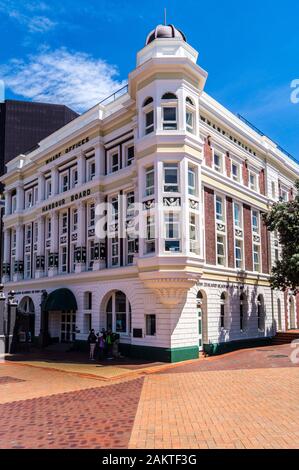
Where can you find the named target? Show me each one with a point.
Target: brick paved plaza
(245, 399)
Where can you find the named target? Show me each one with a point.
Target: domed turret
(165, 32)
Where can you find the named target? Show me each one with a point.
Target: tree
(283, 218)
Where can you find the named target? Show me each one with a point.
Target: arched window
(169, 112)
(242, 306)
(260, 312)
(169, 96)
(148, 116)
(118, 313)
(222, 309)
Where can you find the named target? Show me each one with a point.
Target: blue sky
(77, 52)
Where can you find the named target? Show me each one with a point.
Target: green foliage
(283, 217)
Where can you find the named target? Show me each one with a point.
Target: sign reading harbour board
(67, 150)
(61, 202)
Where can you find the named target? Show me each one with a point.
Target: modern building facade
(144, 215)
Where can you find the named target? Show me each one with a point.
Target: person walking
(92, 340)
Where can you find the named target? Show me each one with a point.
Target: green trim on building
(213, 349)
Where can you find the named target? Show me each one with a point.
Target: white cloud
(72, 78)
(22, 14)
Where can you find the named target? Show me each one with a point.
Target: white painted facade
(76, 169)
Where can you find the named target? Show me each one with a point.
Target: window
(13, 203)
(235, 171)
(256, 257)
(237, 215)
(148, 116)
(118, 312)
(130, 250)
(191, 181)
(221, 250)
(64, 222)
(222, 309)
(172, 232)
(114, 163)
(130, 204)
(63, 259)
(238, 254)
(114, 251)
(87, 300)
(91, 215)
(48, 230)
(74, 177)
(193, 230)
(130, 155)
(169, 118)
(149, 181)
(35, 237)
(28, 234)
(91, 165)
(252, 181)
(64, 182)
(90, 254)
(255, 221)
(28, 199)
(150, 234)
(48, 188)
(260, 313)
(27, 266)
(219, 209)
(75, 220)
(283, 195)
(114, 209)
(190, 121)
(171, 177)
(150, 325)
(217, 162)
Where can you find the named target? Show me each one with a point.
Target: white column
(81, 169)
(41, 187)
(20, 197)
(159, 212)
(99, 199)
(99, 160)
(184, 212)
(55, 180)
(7, 195)
(54, 241)
(6, 253)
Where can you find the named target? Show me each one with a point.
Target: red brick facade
(227, 164)
(230, 232)
(262, 182)
(247, 237)
(265, 241)
(245, 173)
(210, 241)
(208, 153)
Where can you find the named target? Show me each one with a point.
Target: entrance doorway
(68, 327)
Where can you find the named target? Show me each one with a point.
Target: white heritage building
(197, 275)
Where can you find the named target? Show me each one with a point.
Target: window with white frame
(253, 180)
(150, 325)
(169, 111)
(64, 223)
(64, 181)
(115, 250)
(114, 162)
(190, 115)
(238, 253)
(28, 198)
(28, 235)
(63, 259)
(48, 227)
(192, 187)
(223, 301)
(221, 252)
(256, 257)
(130, 249)
(48, 187)
(284, 195)
(255, 221)
(35, 232)
(235, 171)
(74, 220)
(73, 248)
(172, 231)
(237, 215)
(149, 181)
(219, 209)
(130, 154)
(27, 270)
(74, 177)
(90, 254)
(171, 177)
(148, 116)
(91, 169)
(193, 233)
(150, 234)
(13, 203)
(91, 215)
(218, 162)
(118, 311)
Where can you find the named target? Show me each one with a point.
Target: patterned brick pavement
(246, 399)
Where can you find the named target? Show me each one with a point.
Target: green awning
(61, 299)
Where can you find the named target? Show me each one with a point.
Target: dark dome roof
(167, 32)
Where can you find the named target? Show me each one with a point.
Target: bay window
(192, 181)
(149, 181)
(150, 234)
(148, 116)
(172, 231)
(171, 177)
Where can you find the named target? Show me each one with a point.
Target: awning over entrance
(61, 299)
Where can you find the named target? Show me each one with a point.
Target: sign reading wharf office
(61, 202)
(68, 149)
